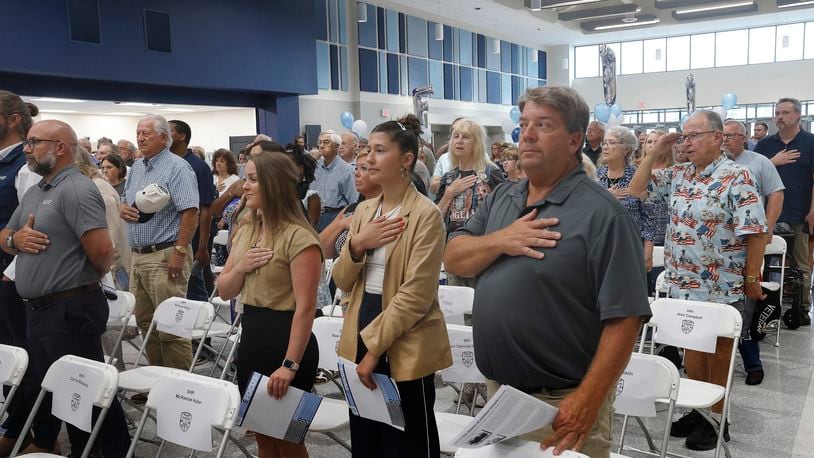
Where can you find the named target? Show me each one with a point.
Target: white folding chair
(665, 383)
(777, 247)
(661, 285)
(333, 413)
(121, 310)
(141, 378)
(694, 394)
(455, 302)
(514, 448)
(464, 371)
(222, 407)
(13, 364)
(103, 377)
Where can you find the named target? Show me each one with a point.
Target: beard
(42, 168)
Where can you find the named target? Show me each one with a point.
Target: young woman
(275, 265)
(393, 324)
(114, 170)
(224, 170)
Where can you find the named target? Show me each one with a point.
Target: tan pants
(801, 259)
(598, 443)
(710, 367)
(150, 285)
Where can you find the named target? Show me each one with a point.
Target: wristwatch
(10, 241)
(181, 249)
(750, 279)
(291, 365)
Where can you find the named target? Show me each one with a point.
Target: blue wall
(236, 52)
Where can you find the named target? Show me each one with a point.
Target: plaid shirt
(176, 175)
(335, 183)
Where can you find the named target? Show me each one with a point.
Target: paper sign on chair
(75, 404)
(180, 320)
(186, 418)
(687, 326)
(635, 392)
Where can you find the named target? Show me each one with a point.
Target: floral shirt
(710, 212)
(641, 214)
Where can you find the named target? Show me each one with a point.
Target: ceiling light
(713, 7)
(58, 100)
(536, 5)
(439, 32)
(629, 24)
(178, 110)
(793, 3)
(361, 12)
(606, 11)
(58, 111)
(559, 3)
(137, 104)
(673, 4)
(630, 17)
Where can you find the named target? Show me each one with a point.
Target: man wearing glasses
(716, 229)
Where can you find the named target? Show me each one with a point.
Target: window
(789, 42)
(678, 53)
(587, 61)
(809, 45)
(731, 48)
(702, 51)
(761, 45)
(631, 57)
(655, 55)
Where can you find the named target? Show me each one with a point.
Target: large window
(761, 45)
(702, 51)
(731, 48)
(678, 53)
(631, 57)
(654, 55)
(789, 42)
(587, 61)
(809, 44)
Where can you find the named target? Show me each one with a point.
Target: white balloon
(359, 127)
(721, 112)
(508, 126)
(614, 120)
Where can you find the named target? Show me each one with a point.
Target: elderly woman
(616, 173)
(510, 159)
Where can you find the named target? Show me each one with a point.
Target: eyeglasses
(509, 159)
(33, 142)
(610, 143)
(693, 136)
(731, 136)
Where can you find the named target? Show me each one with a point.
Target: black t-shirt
(464, 205)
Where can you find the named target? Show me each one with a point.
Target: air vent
(157, 31)
(83, 21)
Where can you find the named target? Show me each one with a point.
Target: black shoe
(754, 377)
(805, 319)
(685, 425)
(704, 437)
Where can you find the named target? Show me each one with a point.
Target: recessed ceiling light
(701, 9)
(58, 100)
(58, 111)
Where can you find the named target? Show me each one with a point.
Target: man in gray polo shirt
(59, 234)
(555, 315)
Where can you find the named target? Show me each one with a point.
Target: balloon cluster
(728, 101)
(510, 126)
(358, 126)
(611, 115)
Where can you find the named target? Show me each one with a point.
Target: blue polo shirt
(206, 188)
(798, 177)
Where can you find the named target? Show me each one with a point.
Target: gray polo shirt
(763, 171)
(64, 209)
(537, 323)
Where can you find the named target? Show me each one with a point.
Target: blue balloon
(602, 112)
(346, 118)
(516, 135)
(729, 100)
(616, 110)
(514, 115)
(684, 119)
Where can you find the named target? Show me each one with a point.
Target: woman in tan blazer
(393, 324)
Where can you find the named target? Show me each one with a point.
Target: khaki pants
(598, 443)
(150, 285)
(801, 259)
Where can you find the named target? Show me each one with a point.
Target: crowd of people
(566, 222)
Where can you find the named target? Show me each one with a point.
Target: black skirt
(263, 344)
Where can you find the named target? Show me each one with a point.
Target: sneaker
(754, 377)
(704, 437)
(685, 425)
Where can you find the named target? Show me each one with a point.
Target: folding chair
(456, 302)
(777, 247)
(101, 376)
(658, 256)
(665, 385)
(222, 407)
(694, 394)
(13, 364)
(141, 378)
(333, 413)
(121, 310)
(515, 448)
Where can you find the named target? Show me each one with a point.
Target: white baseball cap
(152, 198)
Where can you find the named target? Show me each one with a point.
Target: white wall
(210, 129)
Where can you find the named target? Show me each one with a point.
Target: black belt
(329, 209)
(61, 295)
(153, 248)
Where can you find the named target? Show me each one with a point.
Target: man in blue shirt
(791, 150)
(334, 180)
(198, 288)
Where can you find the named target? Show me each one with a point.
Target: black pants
(74, 327)
(420, 436)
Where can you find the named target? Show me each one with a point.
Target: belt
(329, 209)
(61, 295)
(153, 248)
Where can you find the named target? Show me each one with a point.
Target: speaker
(157, 31)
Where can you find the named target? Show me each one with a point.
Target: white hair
(626, 138)
(741, 127)
(332, 136)
(160, 125)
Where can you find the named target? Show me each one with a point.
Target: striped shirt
(335, 183)
(173, 173)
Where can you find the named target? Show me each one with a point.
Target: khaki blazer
(411, 328)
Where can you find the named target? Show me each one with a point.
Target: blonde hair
(510, 152)
(85, 164)
(479, 145)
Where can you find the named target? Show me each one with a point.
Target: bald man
(593, 140)
(60, 237)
